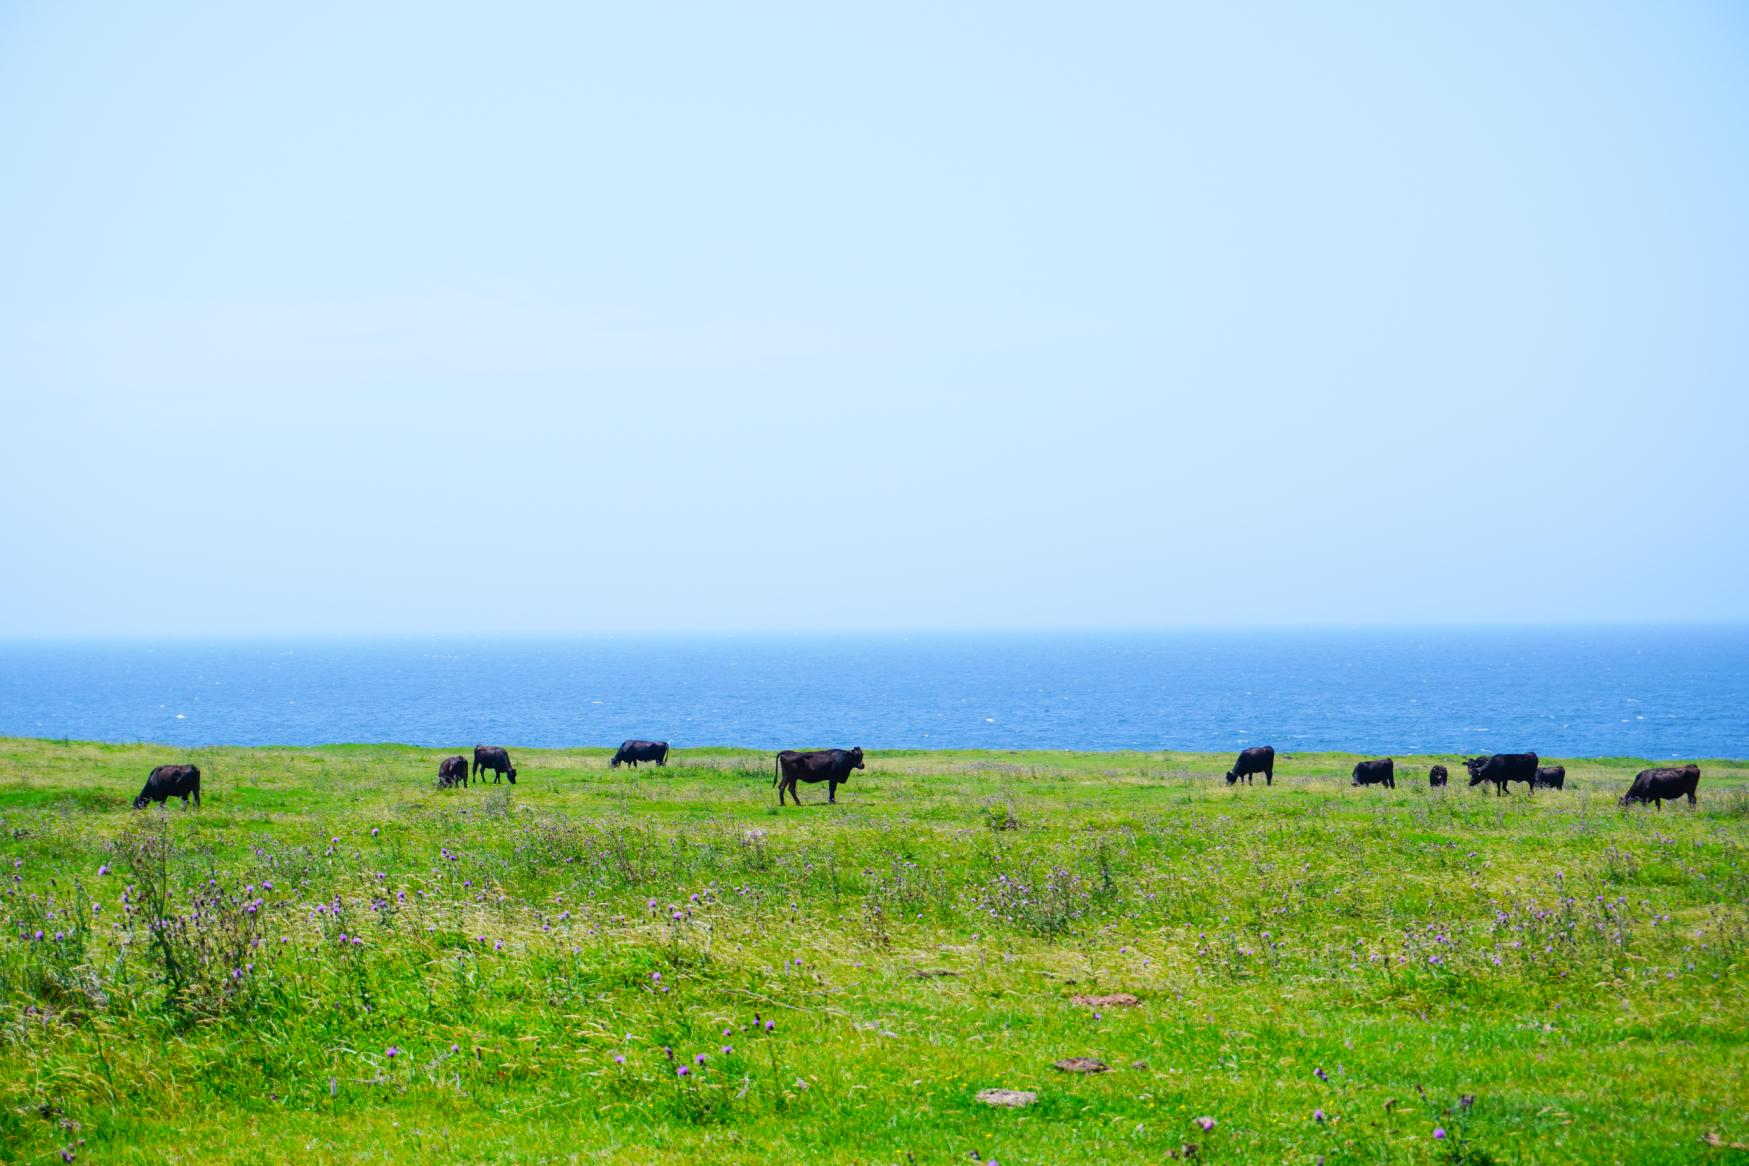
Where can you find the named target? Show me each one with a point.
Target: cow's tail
(776, 770)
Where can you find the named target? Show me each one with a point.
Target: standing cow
(1502, 768)
(452, 771)
(814, 766)
(1436, 776)
(632, 752)
(1655, 785)
(1551, 777)
(493, 757)
(170, 781)
(1381, 772)
(1259, 759)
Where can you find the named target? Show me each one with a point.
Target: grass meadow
(334, 961)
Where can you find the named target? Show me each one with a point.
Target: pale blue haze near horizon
(433, 319)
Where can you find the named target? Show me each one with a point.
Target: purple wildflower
(699, 1060)
(392, 1052)
(103, 870)
(728, 1049)
(619, 1058)
(682, 1071)
(1438, 1134)
(1317, 1115)
(1207, 1123)
(1320, 1075)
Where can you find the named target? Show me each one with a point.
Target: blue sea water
(1654, 691)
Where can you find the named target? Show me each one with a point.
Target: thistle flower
(1207, 1123)
(682, 1071)
(1317, 1115)
(392, 1052)
(1438, 1134)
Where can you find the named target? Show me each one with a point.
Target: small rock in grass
(1114, 1000)
(931, 973)
(1014, 1098)
(1082, 1065)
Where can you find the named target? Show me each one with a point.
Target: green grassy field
(362, 968)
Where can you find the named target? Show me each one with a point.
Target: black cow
(494, 758)
(170, 781)
(1502, 768)
(1654, 785)
(1260, 759)
(452, 771)
(1551, 777)
(813, 766)
(632, 752)
(1381, 772)
(1436, 776)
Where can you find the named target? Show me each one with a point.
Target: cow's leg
(832, 792)
(1269, 776)
(1691, 797)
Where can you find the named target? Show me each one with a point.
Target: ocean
(1677, 691)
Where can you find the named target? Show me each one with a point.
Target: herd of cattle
(1501, 769)
(833, 766)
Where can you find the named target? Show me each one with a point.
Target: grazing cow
(494, 758)
(170, 781)
(1259, 759)
(452, 771)
(1654, 785)
(632, 752)
(1381, 772)
(1436, 776)
(1502, 768)
(1550, 777)
(816, 765)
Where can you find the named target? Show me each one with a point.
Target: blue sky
(438, 318)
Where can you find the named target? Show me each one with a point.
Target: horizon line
(868, 632)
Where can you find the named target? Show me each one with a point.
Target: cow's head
(143, 801)
(1231, 777)
(614, 764)
(512, 775)
(856, 758)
